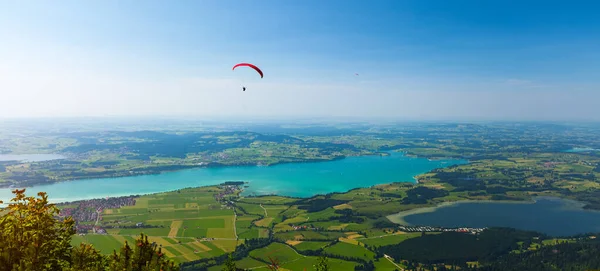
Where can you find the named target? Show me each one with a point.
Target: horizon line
(316, 118)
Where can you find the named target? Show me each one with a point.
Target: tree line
(32, 238)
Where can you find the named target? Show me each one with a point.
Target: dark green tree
(229, 264)
(322, 264)
(86, 258)
(145, 256)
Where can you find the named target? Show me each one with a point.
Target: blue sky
(442, 59)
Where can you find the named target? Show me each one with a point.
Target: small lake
(586, 149)
(30, 157)
(295, 179)
(553, 216)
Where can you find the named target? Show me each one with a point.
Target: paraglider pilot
(251, 66)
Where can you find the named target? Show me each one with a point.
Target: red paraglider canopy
(251, 66)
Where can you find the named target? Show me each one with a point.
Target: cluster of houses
(83, 229)
(227, 190)
(91, 210)
(303, 227)
(439, 229)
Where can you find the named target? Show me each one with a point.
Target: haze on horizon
(527, 60)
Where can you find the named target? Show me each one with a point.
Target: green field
(309, 261)
(267, 200)
(265, 222)
(302, 263)
(248, 263)
(177, 219)
(307, 245)
(186, 213)
(249, 233)
(105, 243)
(345, 249)
(388, 240)
(384, 265)
(188, 250)
(252, 209)
(282, 252)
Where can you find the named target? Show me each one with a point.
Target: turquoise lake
(296, 179)
(552, 216)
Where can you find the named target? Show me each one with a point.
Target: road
(234, 227)
(392, 261)
(380, 236)
(97, 220)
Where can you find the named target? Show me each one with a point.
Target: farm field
(185, 213)
(308, 245)
(350, 250)
(385, 265)
(282, 252)
(309, 261)
(177, 249)
(189, 224)
(388, 239)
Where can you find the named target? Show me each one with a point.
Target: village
(303, 228)
(91, 211)
(440, 229)
(229, 188)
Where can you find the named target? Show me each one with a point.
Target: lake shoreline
(555, 216)
(398, 218)
(291, 179)
(129, 173)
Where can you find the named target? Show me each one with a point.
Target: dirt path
(234, 227)
(392, 261)
(266, 215)
(175, 225)
(280, 264)
(97, 219)
(380, 236)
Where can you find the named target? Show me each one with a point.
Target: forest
(456, 247)
(583, 255)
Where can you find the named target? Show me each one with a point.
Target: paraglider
(248, 65)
